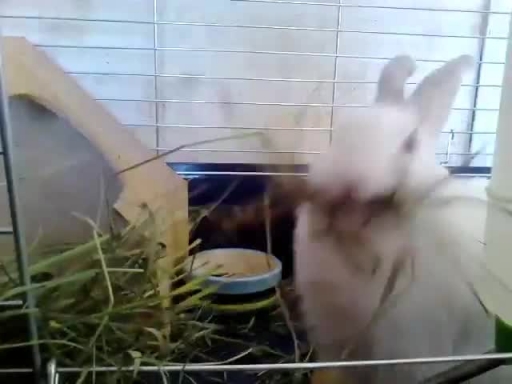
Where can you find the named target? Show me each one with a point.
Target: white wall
(187, 122)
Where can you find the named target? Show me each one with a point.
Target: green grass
(98, 305)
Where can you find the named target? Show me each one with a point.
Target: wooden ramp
(32, 78)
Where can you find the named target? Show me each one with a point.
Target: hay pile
(98, 305)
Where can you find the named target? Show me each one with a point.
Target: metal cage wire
(53, 370)
(445, 154)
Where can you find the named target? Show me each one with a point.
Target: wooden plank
(31, 73)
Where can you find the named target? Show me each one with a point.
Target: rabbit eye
(410, 143)
(383, 203)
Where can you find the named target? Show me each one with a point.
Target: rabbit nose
(351, 192)
(348, 194)
(346, 197)
(335, 198)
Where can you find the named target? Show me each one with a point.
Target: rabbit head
(388, 149)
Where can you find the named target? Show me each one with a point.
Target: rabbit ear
(433, 98)
(390, 88)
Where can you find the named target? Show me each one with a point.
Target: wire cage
(175, 70)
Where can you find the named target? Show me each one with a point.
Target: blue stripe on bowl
(242, 285)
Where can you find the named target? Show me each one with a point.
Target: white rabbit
(390, 148)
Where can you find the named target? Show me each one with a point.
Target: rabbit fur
(391, 147)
